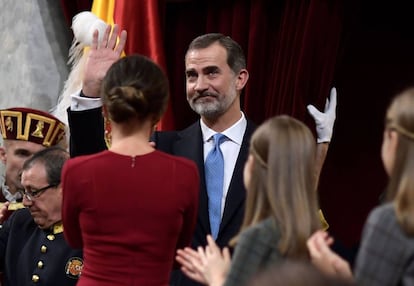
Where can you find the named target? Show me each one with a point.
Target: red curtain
(291, 48)
(142, 20)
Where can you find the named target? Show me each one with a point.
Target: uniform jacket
(32, 256)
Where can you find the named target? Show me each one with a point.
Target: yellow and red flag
(141, 19)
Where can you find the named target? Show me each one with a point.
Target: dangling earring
(108, 129)
(108, 134)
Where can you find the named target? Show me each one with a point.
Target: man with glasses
(33, 249)
(25, 131)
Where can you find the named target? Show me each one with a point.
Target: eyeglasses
(33, 194)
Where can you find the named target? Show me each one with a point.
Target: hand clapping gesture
(325, 259)
(208, 265)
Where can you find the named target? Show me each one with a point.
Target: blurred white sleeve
(79, 103)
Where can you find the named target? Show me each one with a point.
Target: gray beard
(208, 110)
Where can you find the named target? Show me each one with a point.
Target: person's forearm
(321, 152)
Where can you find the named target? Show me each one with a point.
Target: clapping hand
(324, 258)
(208, 265)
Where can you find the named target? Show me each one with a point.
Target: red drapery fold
(142, 20)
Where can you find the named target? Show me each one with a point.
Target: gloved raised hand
(325, 120)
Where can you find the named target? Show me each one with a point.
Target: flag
(141, 19)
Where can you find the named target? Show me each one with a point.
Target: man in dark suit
(215, 77)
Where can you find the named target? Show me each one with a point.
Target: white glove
(325, 120)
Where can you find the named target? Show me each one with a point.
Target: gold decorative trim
(59, 132)
(51, 122)
(15, 114)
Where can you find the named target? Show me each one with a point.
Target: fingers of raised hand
(122, 41)
(105, 37)
(113, 37)
(109, 39)
(95, 37)
(316, 114)
(331, 103)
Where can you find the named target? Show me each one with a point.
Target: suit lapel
(236, 195)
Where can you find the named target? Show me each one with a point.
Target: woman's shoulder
(178, 160)
(79, 160)
(381, 213)
(264, 230)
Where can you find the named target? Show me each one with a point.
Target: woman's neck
(133, 143)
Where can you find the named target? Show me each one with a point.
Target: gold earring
(108, 134)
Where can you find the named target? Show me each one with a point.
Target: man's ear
(3, 156)
(242, 79)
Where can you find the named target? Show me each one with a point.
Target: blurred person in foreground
(386, 252)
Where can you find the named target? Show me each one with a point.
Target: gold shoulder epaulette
(13, 206)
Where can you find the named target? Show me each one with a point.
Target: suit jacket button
(51, 237)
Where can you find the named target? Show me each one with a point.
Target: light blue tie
(214, 171)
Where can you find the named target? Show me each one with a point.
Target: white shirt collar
(9, 196)
(235, 132)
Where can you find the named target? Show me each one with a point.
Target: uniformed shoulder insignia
(13, 206)
(74, 267)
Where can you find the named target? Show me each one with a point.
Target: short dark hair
(53, 158)
(235, 55)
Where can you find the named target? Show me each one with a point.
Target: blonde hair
(282, 183)
(400, 190)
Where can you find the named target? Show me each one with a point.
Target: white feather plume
(83, 26)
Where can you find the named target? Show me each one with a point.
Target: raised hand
(325, 120)
(101, 56)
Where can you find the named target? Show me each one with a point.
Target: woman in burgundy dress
(129, 207)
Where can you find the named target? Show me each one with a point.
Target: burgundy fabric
(100, 191)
